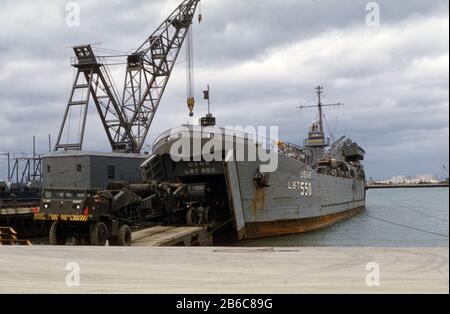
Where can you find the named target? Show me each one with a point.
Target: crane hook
(200, 15)
(191, 104)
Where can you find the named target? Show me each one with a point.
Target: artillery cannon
(99, 216)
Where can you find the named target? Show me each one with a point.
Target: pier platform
(199, 270)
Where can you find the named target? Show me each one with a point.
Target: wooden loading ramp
(172, 236)
(8, 236)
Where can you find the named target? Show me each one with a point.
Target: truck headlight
(46, 206)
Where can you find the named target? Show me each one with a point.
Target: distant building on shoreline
(419, 179)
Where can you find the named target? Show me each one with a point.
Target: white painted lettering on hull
(305, 188)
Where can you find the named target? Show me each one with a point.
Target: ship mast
(316, 136)
(319, 90)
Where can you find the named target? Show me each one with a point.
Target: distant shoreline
(398, 186)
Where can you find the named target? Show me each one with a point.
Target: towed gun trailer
(93, 217)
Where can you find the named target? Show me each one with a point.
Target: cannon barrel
(143, 189)
(146, 189)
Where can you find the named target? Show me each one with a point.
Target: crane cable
(190, 71)
(190, 90)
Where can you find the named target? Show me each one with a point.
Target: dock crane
(127, 120)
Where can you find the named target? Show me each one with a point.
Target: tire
(189, 220)
(192, 217)
(99, 234)
(57, 235)
(124, 237)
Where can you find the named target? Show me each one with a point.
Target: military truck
(95, 217)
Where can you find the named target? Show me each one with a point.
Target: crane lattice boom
(128, 120)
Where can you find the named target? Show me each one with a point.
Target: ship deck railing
(285, 148)
(264, 142)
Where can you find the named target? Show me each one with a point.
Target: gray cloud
(262, 59)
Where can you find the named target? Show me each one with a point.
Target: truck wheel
(192, 217)
(57, 235)
(124, 237)
(99, 234)
(189, 220)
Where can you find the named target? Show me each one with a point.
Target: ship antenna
(319, 90)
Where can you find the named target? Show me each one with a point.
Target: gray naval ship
(313, 185)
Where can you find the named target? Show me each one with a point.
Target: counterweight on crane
(127, 119)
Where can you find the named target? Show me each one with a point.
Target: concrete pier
(42, 269)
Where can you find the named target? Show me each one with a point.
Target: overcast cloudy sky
(262, 59)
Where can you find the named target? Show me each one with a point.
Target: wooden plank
(169, 237)
(145, 233)
(183, 235)
(8, 236)
(8, 230)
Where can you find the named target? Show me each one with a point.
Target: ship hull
(296, 199)
(254, 230)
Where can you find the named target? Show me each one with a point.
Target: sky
(262, 59)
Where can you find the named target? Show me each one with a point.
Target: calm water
(424, 209)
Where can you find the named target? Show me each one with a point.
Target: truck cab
(83, 215)
(68, 202)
